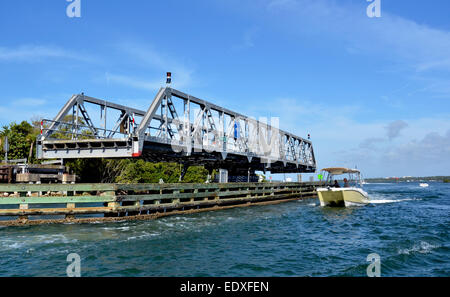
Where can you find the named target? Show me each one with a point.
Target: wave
(422, 247)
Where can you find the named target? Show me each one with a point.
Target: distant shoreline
(445, 179)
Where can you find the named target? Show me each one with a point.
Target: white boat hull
(342, 197)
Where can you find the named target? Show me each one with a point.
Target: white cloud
(277, 4)
(421, 151)
(145, 56)
(393, 129)
(412, 48)
(426, 47)
(248, 38)
(133, 82)
(431, 65)
(25, 109)
(28, 102)
(433, 147)
(33, 53)
(342, 136)
(371, 142)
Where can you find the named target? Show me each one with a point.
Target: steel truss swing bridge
(177, 127)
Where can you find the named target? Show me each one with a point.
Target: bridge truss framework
(177, 127)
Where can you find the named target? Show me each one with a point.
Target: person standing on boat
(346, 185)
(336, 184)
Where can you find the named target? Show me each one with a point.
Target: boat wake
(382, 201)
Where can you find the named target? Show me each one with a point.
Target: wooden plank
(216, 193)
(156, 187)
(55, 199)
(245, 192)
(55, 211)
(11, 188)
(205, 203)
(140, 217)
(136, 207)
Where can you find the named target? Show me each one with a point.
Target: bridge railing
(70, 131)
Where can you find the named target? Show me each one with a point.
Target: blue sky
(373, 92)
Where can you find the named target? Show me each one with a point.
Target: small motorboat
(350, 194)
(424, 185)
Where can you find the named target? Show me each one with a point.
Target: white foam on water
(9, 245)
(381, 201)
(143, 235)
(422, 247)
(377, 198)
(116, 228)
(167, 224)
(24, 241)
(54, 239)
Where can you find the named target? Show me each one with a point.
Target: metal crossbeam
(205, 134)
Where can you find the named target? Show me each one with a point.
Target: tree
(141, 171)
(196, 174)
(262, 177)
(66, 129)
(21, 138)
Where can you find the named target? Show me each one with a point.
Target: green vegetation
(141, 171)
(22, 138)
(262, 177)
(133, 171)
(65, 130)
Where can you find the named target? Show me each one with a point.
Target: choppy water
(407, 226)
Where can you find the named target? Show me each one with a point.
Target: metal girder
(150, 114)
(177, 127)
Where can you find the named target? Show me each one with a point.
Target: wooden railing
(48, 203)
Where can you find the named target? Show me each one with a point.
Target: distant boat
(424, 185)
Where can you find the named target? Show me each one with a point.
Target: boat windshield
(345, 177)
